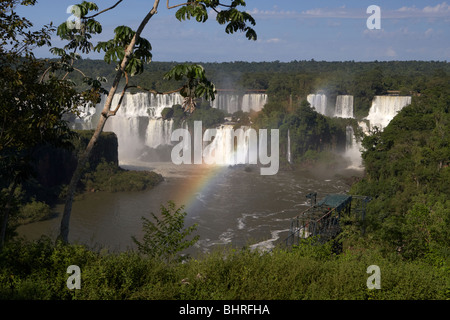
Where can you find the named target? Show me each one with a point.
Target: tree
(130, 52)
(166, 236)
(31, 112)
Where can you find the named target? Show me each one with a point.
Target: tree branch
(177, 5)
(128, 52)
(76, 69)
(113, 113)
(65, 220)
(98, 13)
(43, 75)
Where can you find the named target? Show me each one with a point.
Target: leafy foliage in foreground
(166, 237)
(37, 270)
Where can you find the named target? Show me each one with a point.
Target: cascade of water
(253, 102)
(384, 109)
(228, 103)
(158, 132)
(318, 102)
(352, 149)
(159, 102)
(138, 122)
(231, 103)
(289, 156)
(344, 106)
(231, 147)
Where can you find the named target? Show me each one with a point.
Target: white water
(231, 103)
(344, 106)
(385, 108)
(382, 111)
(158, 133)
(289, 156)
(318, 102)
(353, 149)
(138, 122)
(231, 147)
(253, 102)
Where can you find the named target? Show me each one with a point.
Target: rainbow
(201, 178)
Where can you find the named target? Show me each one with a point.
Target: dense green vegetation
(312, 134)
(408, 175)
(31, 111)
(210, 117)
(38, 271)
(112, 178)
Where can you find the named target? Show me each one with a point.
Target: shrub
(34, 211)
(109, 177)
(165, 237)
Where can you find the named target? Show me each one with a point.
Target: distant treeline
(293, 81)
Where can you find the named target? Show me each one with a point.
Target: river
(231, 205)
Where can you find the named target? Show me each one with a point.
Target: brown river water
(231, 205)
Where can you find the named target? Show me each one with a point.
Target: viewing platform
(322, 218)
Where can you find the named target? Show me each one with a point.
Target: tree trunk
(64, 228)
(5, 217)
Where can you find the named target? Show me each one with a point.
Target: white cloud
(391, 52)
(429, 32)
(273, 40)
(341, 12)
(439, 10)
(405, 12)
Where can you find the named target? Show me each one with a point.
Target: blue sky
(331, 30)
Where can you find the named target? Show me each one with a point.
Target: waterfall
(158, 133)
(228, 103)
(318, 102)
(231, 103)
(385, 108)
(231, 147)
(382, 111)
(253, 102)
(344, 106)
(289, 156)
(139, 126)
(352, 149)
(159, 102)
